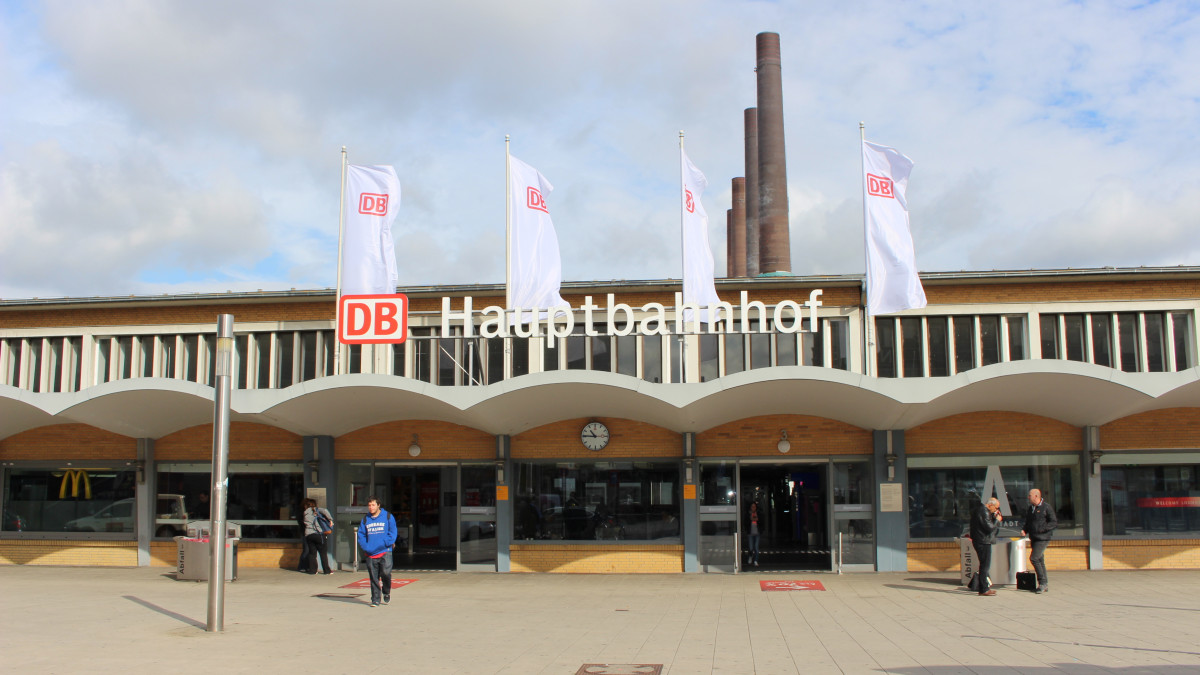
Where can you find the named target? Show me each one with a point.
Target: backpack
(323, 523)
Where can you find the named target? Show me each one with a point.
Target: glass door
(792, 501)
(477, 518)
(854, 516)
(718, 546)
(423, 498)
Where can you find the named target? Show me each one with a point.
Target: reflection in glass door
(718, 517)
(477, 518)
(854, 516)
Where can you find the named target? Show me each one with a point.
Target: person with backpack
(376, 538)
(318, 525)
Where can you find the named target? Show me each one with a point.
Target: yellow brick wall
(61, 552)
(160, 313)
(627, 438)
(248, 441)
(285, 555)
(993, 432)
(1063, 291)
(1151, 554)
(69, 442)
(438, 441)
(597, 559)
(942, 556)
(759, 436)
(1170, 428)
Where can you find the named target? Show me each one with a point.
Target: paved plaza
(59, 619)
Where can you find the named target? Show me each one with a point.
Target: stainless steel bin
(194, 558)
(1009, 556)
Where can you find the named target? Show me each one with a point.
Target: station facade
(632, 443)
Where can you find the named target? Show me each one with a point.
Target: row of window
(910, 346)
(939, 346)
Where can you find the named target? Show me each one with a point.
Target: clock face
(594, 436)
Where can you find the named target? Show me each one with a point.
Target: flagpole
(868, 333)
(507, 227)
(337, 299)
(682, 257)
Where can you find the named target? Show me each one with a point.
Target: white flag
(892, 281)
(535, 274)
(368, 254)
(699, 286)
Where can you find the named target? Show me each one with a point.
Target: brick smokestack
(729, 244)
(774, 245)
(751, 117)
(737, 230)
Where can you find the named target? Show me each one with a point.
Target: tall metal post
(220, 470)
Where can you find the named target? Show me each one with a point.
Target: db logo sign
(536, 202)
(880, 186)
(689, 201)
(373, 319)
(372, 204)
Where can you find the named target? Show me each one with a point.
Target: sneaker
(989, 593)
(374, 604)
(387, 599)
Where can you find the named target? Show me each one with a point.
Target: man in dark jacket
(984, 524)
(1040, 523)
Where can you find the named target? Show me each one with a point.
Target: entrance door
(793, 511)
(477, 519)
(424, 501)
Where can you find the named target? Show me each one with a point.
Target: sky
(151, 146)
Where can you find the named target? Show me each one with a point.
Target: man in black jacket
(1040, 523)
(984, 524)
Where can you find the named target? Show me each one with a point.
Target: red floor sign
(366, 583)
(791, 586)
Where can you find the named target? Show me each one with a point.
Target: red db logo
(880, 186)
(536, 201)
(373, 319)
(689, 201)
(372, 204)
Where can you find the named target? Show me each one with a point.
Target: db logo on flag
(372, 204)
(536, 201)
(689, 201)
(879, 186)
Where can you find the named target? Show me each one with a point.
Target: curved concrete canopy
(1075, 393)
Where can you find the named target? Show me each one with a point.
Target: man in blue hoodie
(376, 537)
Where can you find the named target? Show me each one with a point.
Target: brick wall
(1063, 291)
(62, 552)
(438, 441)
(993, 432)
(597, 558)
(943, 556)
(759, 436)
(248, 441)
(67, 442)
(1170, 428)
(282, 555)
(160, 313)
(1151, 554)
(627, 438)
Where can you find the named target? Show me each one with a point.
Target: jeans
(316, 551)
(753, 557)
(1037, 558)
(302, 566)
(380, 570)
(983, 555)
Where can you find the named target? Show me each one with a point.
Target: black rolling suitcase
(1026, 581)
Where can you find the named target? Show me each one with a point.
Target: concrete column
(146, 499)
(319, 457)
(891, 529)
(504, 509)
(1094, 524)
(691, 505)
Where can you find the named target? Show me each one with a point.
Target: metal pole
(839, 552)
(337, 297)
(869, 351)
(220, 479)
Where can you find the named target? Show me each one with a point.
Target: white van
(119, 517)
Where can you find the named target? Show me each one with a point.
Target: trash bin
(1009, 556)
(194, 558)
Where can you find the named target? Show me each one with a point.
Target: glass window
(735, 350)
(308, 355)
(964, 343)
(422, 354)
(675, 365)
(717, 485)
(398, 358)
(1049, 328)
(1102, 340)
(328, 343)
(944, 491)
(1183, 340)
(939, 347)
(785, 349)
(550, 351)
(35, 362)
(1127, 334)
(55, 355)
(652, 358)
(989, 340)
(210, 348)
(586, 501)
(146, 355)
(242, 362)
(1156, 343)
(760, 347)
(710, 358)
(520, 356)
(627, 354)
(912, 346)
(1151, 501)
(283, 358)
(12, 367)
(601, 349)
(1076, 340)
(1016, 338)
(264, 498)
(191, 355)
(166, 345)
(354, 359)
(576, 345)
(69, 500)
(885, 347)
(447, 358)
(495, 360)
(262, 348)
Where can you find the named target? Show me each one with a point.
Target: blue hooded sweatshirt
(377, 534)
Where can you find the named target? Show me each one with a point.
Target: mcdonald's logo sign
(75, 477)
